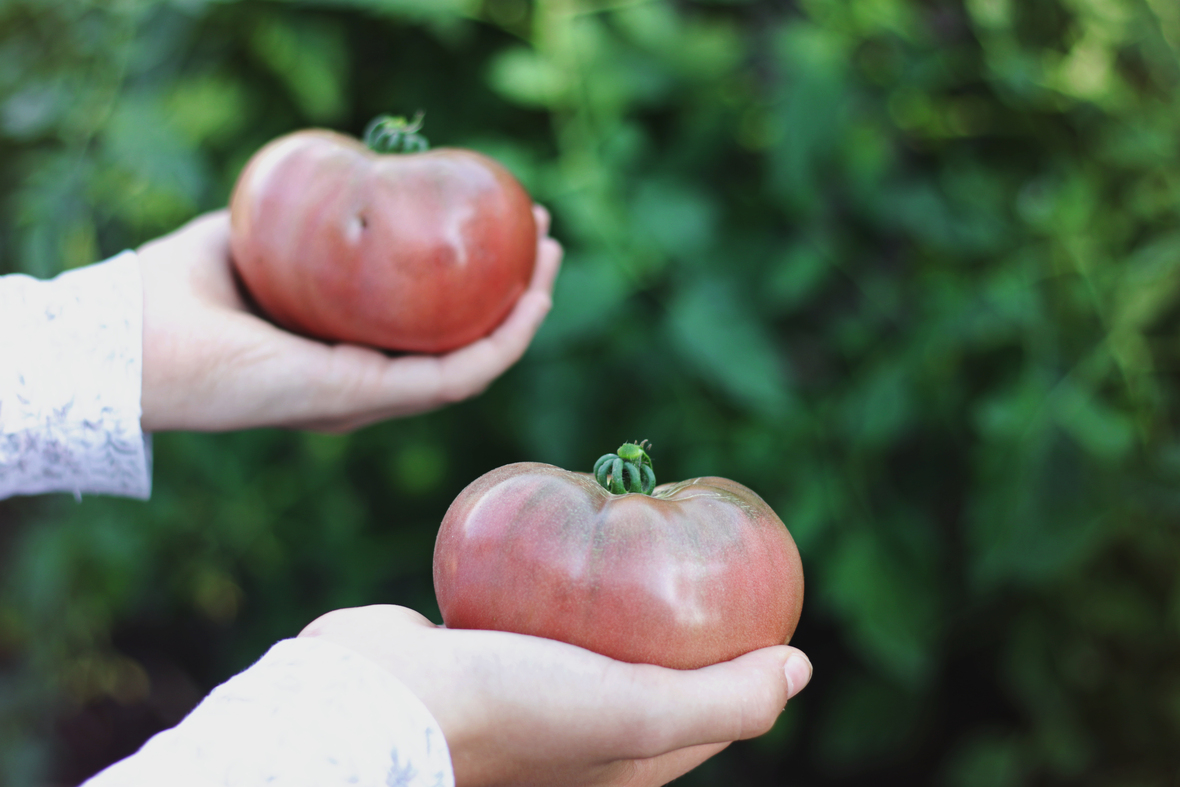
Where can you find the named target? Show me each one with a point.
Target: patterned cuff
(70, 382)
(310, 712)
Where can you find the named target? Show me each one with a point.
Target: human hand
(210, 364)
(520, 710)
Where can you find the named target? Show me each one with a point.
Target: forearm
(71, 355)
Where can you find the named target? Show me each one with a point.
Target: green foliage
(908, 269)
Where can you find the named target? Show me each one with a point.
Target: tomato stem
(389, 134)
(629, 470)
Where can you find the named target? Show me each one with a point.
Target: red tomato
(696, 573)
(421, 252)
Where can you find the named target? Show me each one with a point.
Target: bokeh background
(907, 268)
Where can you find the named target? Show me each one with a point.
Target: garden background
(908, 268)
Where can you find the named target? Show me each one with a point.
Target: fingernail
(798, 671)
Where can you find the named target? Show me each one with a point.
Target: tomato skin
(699, 572)
(419, 252)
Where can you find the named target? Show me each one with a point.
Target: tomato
(419, 252)
(692, 574)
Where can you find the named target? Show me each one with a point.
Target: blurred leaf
(1060, 743)
(808, 512)
(588, 298)
(34, 109)
(811, 111)
(867, 722)
(692, 48)
(1150, 284)
(1103, 431)
(797, 276)
(986, 760)
(430, 10)
(154, 178)
(208, 108)
(311, 59)
(890, 616)
(720, 339)
(524, 76)
(418, 468)
(679, 220)
(880, 407)
(51, 209)
(1028, 523)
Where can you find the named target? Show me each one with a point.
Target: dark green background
(907, 268)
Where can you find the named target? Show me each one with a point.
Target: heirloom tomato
(681, 575)
(420, 251)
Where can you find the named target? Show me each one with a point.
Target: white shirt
(309, 712)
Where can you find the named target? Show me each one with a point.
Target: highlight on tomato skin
(692, 574)
(416, 252)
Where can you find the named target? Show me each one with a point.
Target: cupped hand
(210, 364)
(520, 710)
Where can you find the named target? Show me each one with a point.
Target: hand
(210, 364)
(519, 710)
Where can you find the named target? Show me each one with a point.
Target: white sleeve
(310, 713)
(71, 371)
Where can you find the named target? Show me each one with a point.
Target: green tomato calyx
(389, 134)
(629, 470)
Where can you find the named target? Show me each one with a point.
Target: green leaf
(889, 605)
(678, 219)
(797, 276)
(811, 112)
(1103, 431)
(312, 60)
(1149, 285)
(152, 177)
(807, 512)
(418, 10)
(522, 75)
(881, 405)
(35, 109)
(867, 720)
(987, 760)
(1031, 518)
(57, 226)
(587, 300)
(418, 468)
(715, 333)
(208, 108)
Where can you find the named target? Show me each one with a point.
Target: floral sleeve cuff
(310, 712)
(71, 370)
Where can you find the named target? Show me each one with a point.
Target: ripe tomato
(421, 251)
(692, 574)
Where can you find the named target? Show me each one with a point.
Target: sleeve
(310, 713)
(71, 362)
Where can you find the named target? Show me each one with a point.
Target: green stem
(389, 134)
(629, 470)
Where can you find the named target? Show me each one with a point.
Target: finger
(370, 618)
(468, 371)
(213, 226)
(419, 383)
(542, 220)
(345, 387)
(730, 701)
(549, 254)
(663, 769)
